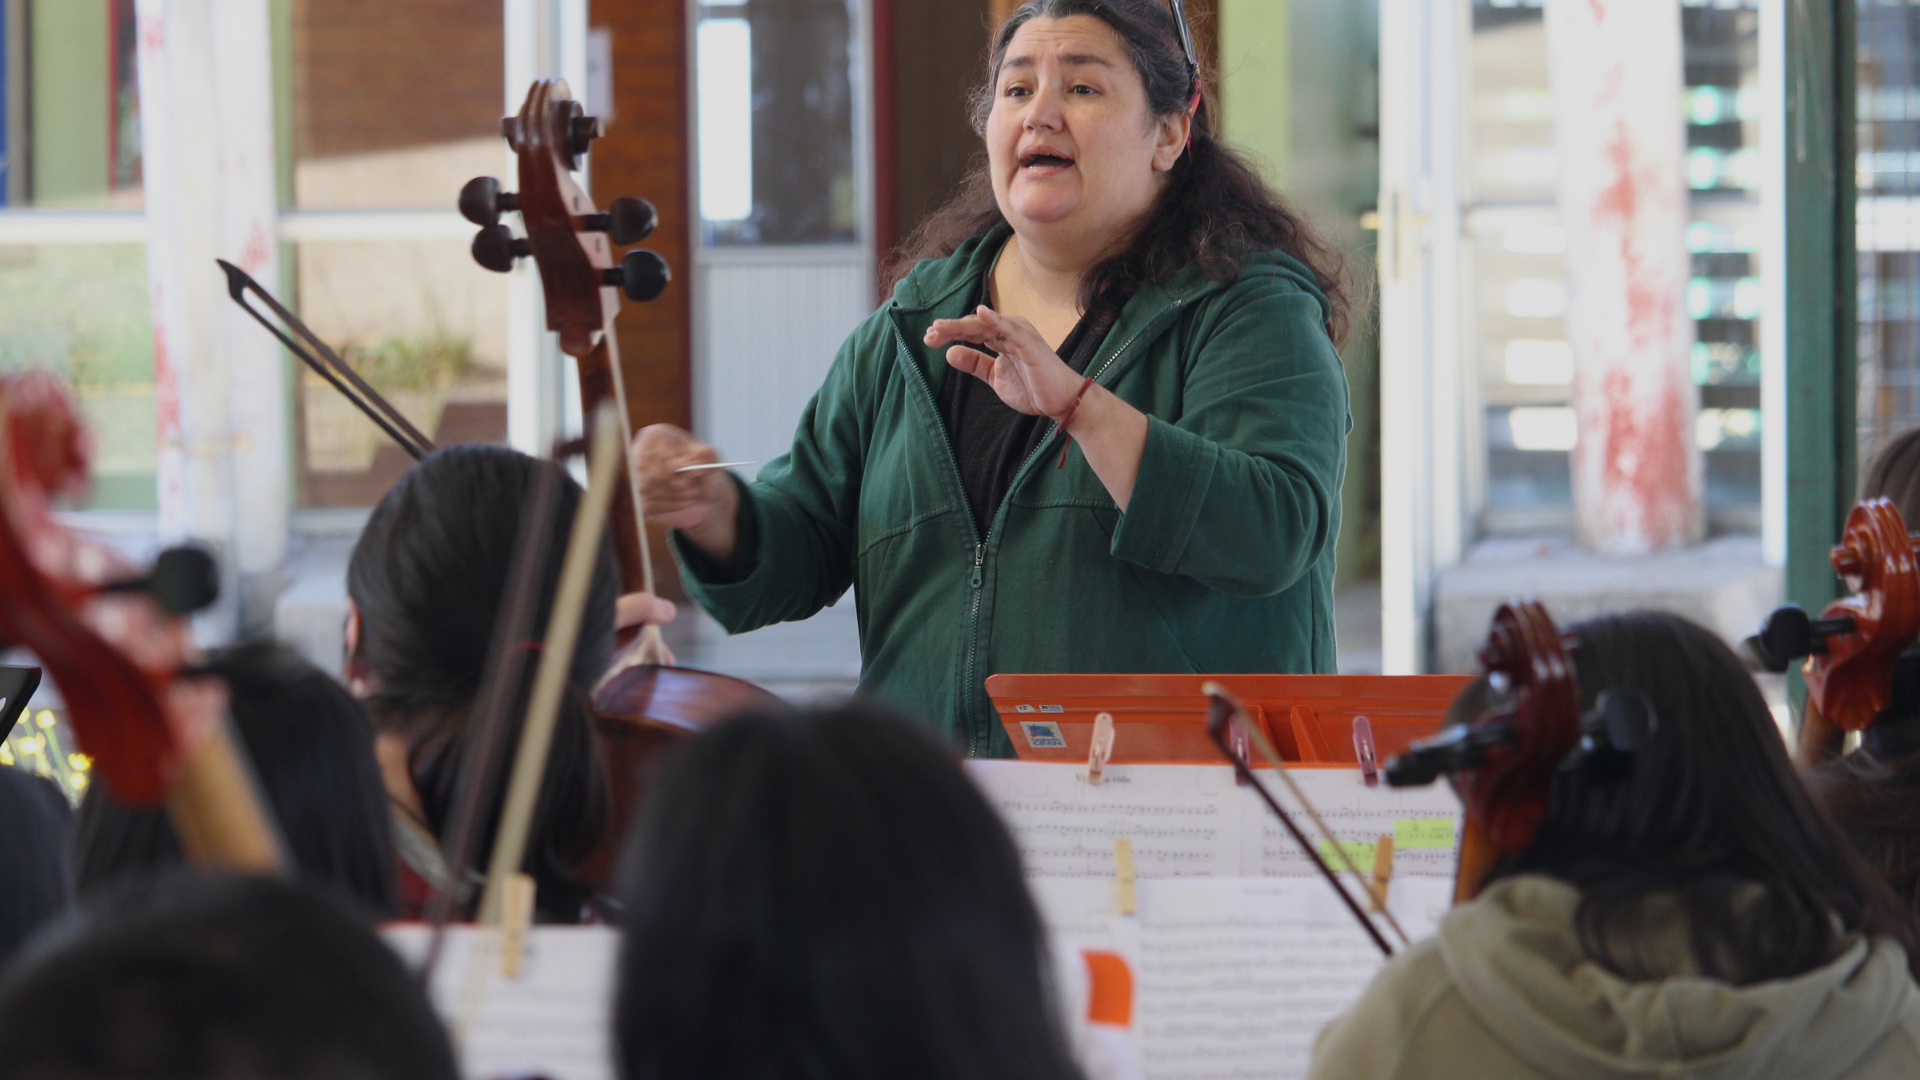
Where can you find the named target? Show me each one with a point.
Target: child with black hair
(311, 750)
(828, 895)
(36, 859)
(1693, 916)
(192, 976)
(425, 584)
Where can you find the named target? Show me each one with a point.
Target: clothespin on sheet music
(1382, 872)
(1363, 750)
(1124, 900)
(516, 917)
(1102, 749)
(1225, 717)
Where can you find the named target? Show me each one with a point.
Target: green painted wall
(1256, 82)
(1299, 89)
(70, 71)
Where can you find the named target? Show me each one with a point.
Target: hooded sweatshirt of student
(1504, 992)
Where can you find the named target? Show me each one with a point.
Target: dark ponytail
(427, 577)
(1214, 211)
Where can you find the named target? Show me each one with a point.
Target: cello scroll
(1853, 649)
(1503, 762)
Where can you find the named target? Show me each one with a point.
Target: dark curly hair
(1710, 823)
(1213, 212)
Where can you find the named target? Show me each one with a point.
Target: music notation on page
(1194, 821)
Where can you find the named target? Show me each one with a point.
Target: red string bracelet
(1071, 409)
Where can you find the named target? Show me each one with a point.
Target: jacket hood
(932, 280)
(1513, 957)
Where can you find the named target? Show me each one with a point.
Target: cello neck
(600, 380)
(1478, 853)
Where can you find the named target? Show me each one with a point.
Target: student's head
(826, 894)
(1895, 474)
(312, 752)
(426, 580)
(36, 856)
(1710, 817)
(193, 976)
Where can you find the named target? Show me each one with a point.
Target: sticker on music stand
(1043, 735)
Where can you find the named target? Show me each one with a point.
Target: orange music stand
(1162, 719)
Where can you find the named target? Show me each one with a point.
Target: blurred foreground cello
(116, 642)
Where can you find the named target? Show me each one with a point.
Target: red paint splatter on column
(254, 255)
(1644, 450)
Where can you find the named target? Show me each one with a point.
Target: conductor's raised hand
(1028, 375)
(702, 505)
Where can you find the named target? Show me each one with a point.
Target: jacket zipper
(976, 741)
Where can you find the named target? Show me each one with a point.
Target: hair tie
(528, 646)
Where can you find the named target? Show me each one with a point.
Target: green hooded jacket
(1223, 561)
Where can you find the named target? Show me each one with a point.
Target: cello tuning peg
(1789, 634)
(1785, 636)
(182, 580)
(495, 247)
(581, 131)
(642, 275)
(482, 202)
(626, 221)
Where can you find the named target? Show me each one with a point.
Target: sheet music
(552, 1021)
(1195, 821)
(1423, 821)
(1234, 977)
(1182, 820)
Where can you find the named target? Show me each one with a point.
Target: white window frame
(544, 38)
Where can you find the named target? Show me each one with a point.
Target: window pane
(395, 104)
(427, 328)
(1518, 251)
(69, 105)
(774, 92)
(1888, 175)
(81, 311)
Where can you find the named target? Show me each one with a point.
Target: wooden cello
(1502, 762)
(116, 643)
(642, 705)
(1858, 653)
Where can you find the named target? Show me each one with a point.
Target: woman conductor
(1099, 427)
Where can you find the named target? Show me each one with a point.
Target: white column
(1773, 277)
(1423, 387)
(256, 368)
(206, 105)
(544, 39)
(1617, 79)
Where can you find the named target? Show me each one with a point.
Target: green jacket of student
(1223, 561)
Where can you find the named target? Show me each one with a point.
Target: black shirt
(990, 439)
